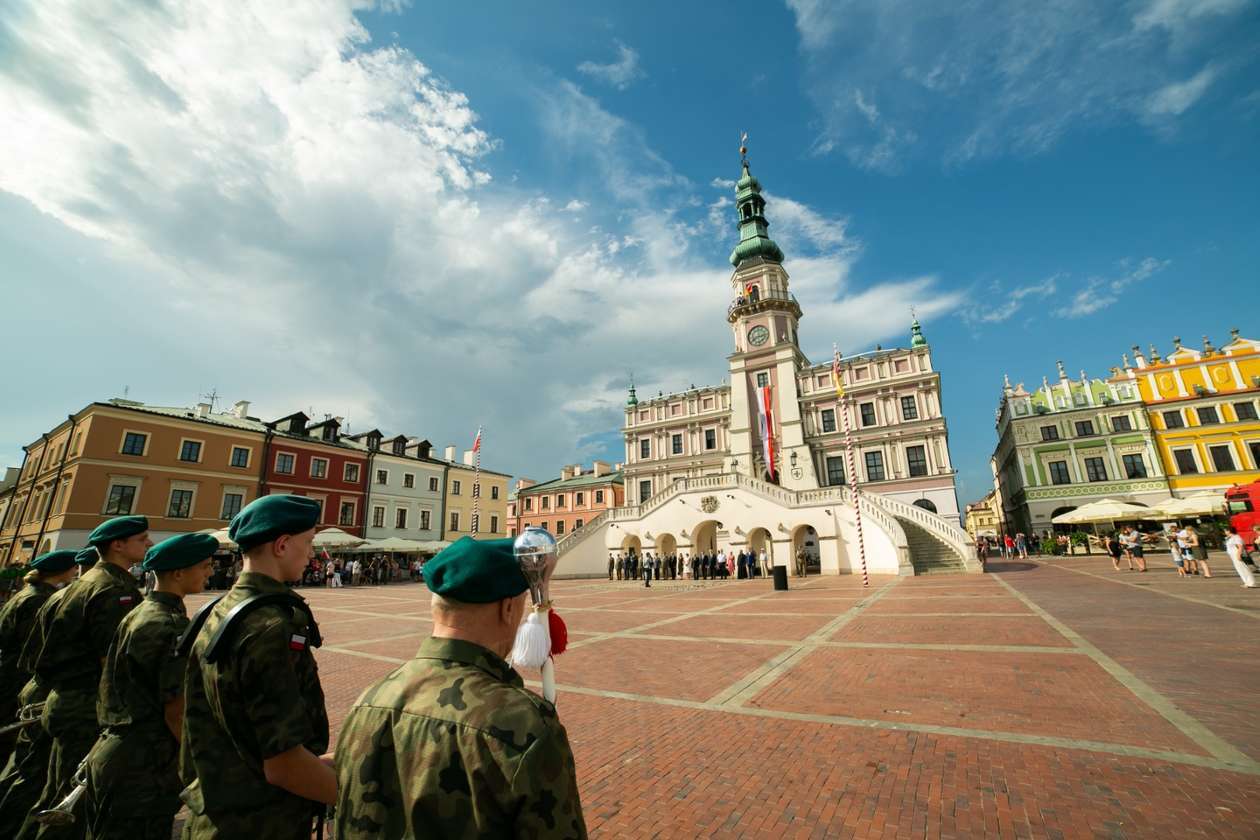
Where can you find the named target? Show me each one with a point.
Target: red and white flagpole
(476, 515)
(848, 448)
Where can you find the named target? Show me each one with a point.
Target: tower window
(763, 379)
(828, 419)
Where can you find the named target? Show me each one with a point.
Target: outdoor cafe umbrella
(1200, 504)
(390, 544)
(222, 536)
(335, 538)
(1103, 510)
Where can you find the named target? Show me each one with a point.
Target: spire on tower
(916, 335)
(632, 400)
(754, 240)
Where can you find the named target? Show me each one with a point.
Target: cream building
(702, 474)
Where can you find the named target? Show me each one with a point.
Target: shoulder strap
(222, 639)
(194, 627)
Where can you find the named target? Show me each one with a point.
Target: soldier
(133, 772)
(27, 770)
(451, 744)
(611, 563)
(255, 728)
(647, 570)
(76, 640)
(48, 573)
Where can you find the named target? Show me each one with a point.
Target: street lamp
(792, 460)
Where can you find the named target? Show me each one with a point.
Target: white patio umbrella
(221, 535)
(395, 544)
(1103, 510)
(1199, 504)
(335, 538)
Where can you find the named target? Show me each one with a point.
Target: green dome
(761, 246)
(747, 181)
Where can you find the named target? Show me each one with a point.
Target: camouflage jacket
(262, 698)
(452, 745)
(36, 690)
(143, 671)
(16, 620)
(77, 634)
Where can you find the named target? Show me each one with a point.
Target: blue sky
(423, 217)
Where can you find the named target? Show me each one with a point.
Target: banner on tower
(766, 417)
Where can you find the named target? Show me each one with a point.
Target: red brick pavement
(1029, 630)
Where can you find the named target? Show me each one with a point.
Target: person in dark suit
(612, 563)
(647, 570)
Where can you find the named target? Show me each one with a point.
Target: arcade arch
(704, 537)
(926, 504)
(631, 542)
(759, 538)
(666, 544)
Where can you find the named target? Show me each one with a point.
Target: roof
(584, 480)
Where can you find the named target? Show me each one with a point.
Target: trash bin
(780, 578)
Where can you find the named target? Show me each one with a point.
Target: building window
(134, 443)
(456, 487)
(351, 473)
(675, 444)
(710, 438)
(916, 459)
(1174, 420)
(835, 470)
(284, 463)
(599, 497)
(645, 448)
(1084, 428)
(190, 450)
(121, 499)
(319, 468)
(559, 527)
(1134, 466)
(1245, 410)
(1049, 432)
(426, 520)
(645, 490)
(181, 504)
(559, 502)
(347, 514)
(868, 414)
(382, 476)
(1222, 458)
(1185, 461)
(874, 466)
(231, 505)
(494, 491)
(454, 520)
(400, 518)
(763, 380)
(909, 409)
(378, 517)
(829, 420)
(529, 503)
(579, 499)
(542, 525)
(1059, 472)
(1208, 415)
(494, 524)
(433, 484)
(409, 480)
(1095, 469)
(544, 502)
(240, 457)
(1121, 423)
(1254, 448)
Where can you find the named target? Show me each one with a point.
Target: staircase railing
(572, 538)
(936, 525)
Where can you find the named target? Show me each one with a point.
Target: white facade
(405, 489)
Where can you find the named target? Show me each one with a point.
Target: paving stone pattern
(1045, 699)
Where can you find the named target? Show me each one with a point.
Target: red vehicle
(1242, 502)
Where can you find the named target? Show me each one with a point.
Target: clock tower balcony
(743, 306)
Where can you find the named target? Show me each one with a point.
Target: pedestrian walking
(1115, 551)
(1198, 550)
(1021, 545)
(1177, 549)
(1235, 549)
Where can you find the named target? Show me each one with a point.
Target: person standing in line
(647, 571)
(255, 729)
(133, 774)
(77, 639)
(763, 562)
(611, 563)
(1234, 547)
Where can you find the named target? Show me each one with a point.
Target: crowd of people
(117, 708)
(705, 565)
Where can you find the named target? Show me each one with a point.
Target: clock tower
(764, 317)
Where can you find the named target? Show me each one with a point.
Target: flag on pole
(835, 374)
(766, 419)
(477, 441)
(476, 515)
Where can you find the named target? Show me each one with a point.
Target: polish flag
(766, 417)
(477, 441)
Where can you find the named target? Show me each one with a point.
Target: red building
(309, 459)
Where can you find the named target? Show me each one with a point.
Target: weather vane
(743, 147)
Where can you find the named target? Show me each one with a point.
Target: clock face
(758, 336)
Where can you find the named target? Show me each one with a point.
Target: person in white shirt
(763, 563)
(331, 577)
(1234, 548)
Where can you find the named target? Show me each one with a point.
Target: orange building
(564, 505)
(185, 469)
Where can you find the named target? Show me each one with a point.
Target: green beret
(269, 517)
(118, 528)
(87, 556)
(54, 562)
(476, 571)
(179, 552)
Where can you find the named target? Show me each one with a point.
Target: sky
(426, 217)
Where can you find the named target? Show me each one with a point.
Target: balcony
(742, 305)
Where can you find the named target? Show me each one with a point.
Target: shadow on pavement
(1008, 566)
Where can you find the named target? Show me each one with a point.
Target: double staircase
(928, 554)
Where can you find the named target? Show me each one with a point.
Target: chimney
(618, 466)
(468, 457)
(600, 468)
(203, 409)
(565, 473)
(522, 483)
(450, 452)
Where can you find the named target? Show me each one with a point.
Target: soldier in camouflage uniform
(48, 573)
(133, 771)
(451, 744)
(76, 640)
(24, 775)
(255, 727)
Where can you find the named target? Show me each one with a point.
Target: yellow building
(458, 501)
(984, 518)
(1203, 411)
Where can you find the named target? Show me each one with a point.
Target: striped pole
(844, 405)
(476, 516)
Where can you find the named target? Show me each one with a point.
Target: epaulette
(194, 627)
(222, 639)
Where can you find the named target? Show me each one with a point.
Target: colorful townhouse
(566, 504)
(311, 459)
(405, 487)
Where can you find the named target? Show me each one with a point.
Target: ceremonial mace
(542, 635)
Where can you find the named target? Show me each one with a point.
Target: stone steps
(929, 555)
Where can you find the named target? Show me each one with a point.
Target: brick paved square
(959, 630)
(792, 606)
(604, 621)
(400, 647)
(979, 604)
(1037, 693)
(754, 627)
(691, 670)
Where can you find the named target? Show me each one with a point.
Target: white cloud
(994, 307)
(901, 78)
(575, 206)
(1101, 292)
(620, 73)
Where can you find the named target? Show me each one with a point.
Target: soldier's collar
(259, 582)
(469, 653)
(166, 599)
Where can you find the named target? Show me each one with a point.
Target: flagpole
(848, 448)
(476, 515)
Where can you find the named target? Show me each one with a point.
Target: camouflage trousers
(23, 778)
(284, 824)
(70, 718)
(133, 785)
